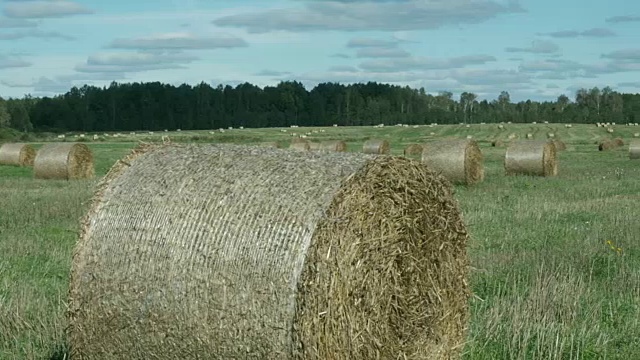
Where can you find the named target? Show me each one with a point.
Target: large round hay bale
(531, 158)
(413, 149)
(618, 142)
(66, 161)
(300, 145)
(634, 149)
(315, 146)
(231, 252)
(460, 161)
(18, 154)
(271, 144)
(560, 145)
(497, 143)
(376, 146)
(333, 145)
(605, 145)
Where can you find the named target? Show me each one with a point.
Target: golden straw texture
(460, 161)
(66, 161)
(300, 145)
(413, 149)
(18, 154)
(231, 252)
(531, 158)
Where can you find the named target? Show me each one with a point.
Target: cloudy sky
(535, 49)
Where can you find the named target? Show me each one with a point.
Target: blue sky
(535, 49)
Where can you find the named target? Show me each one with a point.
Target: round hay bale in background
(242, 252)
(300, 145)
(333, 145)
(618, 142)
(531, 158)
(314, 146)
(66, 161)
(605, 145)
(560, 145)
(271, 144)
(497, 143)
(18, 154)
(460, 161)
(529, 136)
(376, 146)
(413, 149)
(634, 149)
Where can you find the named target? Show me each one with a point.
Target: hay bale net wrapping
(413, 149)
(460, 161)
(18, 154)
(64, 161)
(376, 146)
(634, 149)
(232, 253)
(537, 158)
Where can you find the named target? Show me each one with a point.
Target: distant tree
(5, 117)
(19, 115)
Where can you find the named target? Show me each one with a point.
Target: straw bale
(618, 142)
(413, 149)
(314, 146)
(65, 161)
(328, 256)
(300, 145)
(271, 144)
(335, 146)
(634, 149)
(608, 144)
(531, 158)
(376, 146)
(497, 143)
(560, 145)
(18, 154)
(460, 161)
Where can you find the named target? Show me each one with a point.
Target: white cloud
(381, 52)
(424, 63)
(179, 41)
(594, 32)
(7, 23)
(44, 9)
(126, 62)
(7, 62)
(537, 47)
(35, 33)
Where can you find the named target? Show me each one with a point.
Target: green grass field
(555, 261)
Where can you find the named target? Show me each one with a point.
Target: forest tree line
(155, 106)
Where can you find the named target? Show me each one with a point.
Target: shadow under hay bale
(460, 161)
(376, 146)
(18, 154)
(634, 149)
(65, 161)
(497, 143)
(306, 265)
(413, 149)
(300, 145)
(537, 158)
(335, 146)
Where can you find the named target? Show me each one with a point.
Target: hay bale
(300, 145)
(413, 149)
(497, 143)
(560, 145)
(605, 145)
(66, 161)
(531, 158)
(271, 144)
(376, 146)
(18, 154)
(314, 146)
(329, 256)
(618, 142)
(333, 145)
(460, 161)
(529, 136)
(634, 149)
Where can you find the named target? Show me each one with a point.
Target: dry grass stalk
(634, 149)
(460, 161)
(346, 256)
(67, 161)
(531, 158)
(376, 146)
(413, 149)
(18, 154)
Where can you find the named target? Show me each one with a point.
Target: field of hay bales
(555, 261)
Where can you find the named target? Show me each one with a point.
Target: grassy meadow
(555, 261)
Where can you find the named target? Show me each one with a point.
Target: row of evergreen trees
(157, 106)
